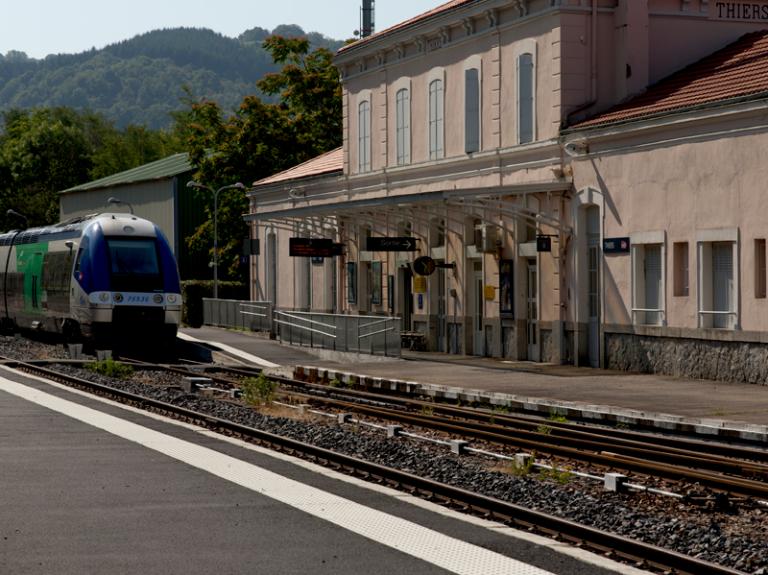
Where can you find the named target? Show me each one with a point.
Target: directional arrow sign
(390, 244)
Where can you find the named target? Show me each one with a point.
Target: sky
(42, 27)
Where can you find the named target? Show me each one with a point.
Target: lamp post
(7, 320)
(199, 186)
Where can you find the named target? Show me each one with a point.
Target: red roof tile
(324, 164)
(737, 71)
(406, 23)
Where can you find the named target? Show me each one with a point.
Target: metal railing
(652, 316)
(717, 314)
(373, 334)
(247, 315)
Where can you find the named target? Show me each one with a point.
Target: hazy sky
(42, 27)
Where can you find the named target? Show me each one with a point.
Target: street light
(7, 319)
(238, 186)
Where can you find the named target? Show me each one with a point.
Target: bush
(258, 390)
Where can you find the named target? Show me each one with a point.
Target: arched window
(471, 110)
(436, 120)
(525, 98)
(364, 136)
(403, 126)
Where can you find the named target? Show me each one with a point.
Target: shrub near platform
(193, 292)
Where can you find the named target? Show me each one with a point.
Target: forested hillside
(142, 80)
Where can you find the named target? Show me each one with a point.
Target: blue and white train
(108, 278)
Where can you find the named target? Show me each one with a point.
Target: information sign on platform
(390, 244)
(616, 245)
(419, 284)
(314, 247)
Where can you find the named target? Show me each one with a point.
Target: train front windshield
(134, 265)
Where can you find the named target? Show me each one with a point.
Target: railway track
(622, 548)
(735, 471)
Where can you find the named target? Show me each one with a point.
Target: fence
(377, 335)
(248, 315)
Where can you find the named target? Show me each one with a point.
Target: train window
(134, 264)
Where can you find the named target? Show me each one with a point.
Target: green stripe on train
(29, 262)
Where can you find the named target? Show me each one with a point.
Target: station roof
(321, 165)
(157, 170)
(737, 72)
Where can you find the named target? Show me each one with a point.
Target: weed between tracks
(111, 368)
(258, 390)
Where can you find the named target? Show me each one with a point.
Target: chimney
(632, 47)
(367, 13)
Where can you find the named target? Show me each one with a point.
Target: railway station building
(567, 181)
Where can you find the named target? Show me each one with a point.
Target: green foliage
(111, 368)
(140, 81)
(258, 390)
(561, 476)
(261, 138)
(544, 429)
(44, 151)
(554, 417)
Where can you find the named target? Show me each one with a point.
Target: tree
(45, 151)
(42, 152)
(262, 138)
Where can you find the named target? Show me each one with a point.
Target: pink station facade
(583, 180)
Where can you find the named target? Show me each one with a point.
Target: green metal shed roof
(157, 170)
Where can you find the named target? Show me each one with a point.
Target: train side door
(29, 262)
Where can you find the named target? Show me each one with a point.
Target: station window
(403, 126)
(717, 278)
(471, 110)
(525, 98)
(680, 256)
(364, 136)
(760, 268)
(648, 283)
(436, 120)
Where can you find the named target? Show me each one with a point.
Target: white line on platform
(229, 349)
(420, 542)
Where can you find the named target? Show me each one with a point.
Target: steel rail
(710, 450)
(593, 452)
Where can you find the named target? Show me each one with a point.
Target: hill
(141, 80)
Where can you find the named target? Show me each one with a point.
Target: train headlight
(118, 297)
(171, 298)
(104, 297)
(157, 298)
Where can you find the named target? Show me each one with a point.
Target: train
(107, 279)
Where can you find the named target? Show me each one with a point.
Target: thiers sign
(739, 11)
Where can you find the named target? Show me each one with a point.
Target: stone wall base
(745, 362)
